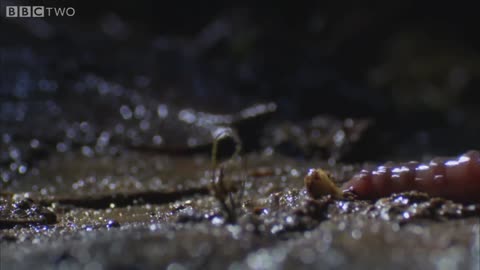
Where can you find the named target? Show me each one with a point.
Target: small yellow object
(320, 183)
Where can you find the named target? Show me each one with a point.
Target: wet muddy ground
(144, 211)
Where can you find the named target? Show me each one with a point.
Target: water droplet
(144, 125)
(356, 234)
(140, 111)
(34, 143)
(126, 112)
(62, 147)
(187, 116)
(111, 223)
(14, 153)
(22, 169)
(162, 111)
(87, 151)
(157, 140)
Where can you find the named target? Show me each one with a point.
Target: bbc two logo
(38, 11)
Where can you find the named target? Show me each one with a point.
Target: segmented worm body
(456, 179)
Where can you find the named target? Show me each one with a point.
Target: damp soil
(159, 211)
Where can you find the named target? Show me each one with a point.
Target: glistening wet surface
(277, 225)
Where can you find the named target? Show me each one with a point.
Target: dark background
(412, 67)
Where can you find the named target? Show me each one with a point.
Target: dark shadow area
(413, 69)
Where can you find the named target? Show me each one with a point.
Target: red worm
(456, 179)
